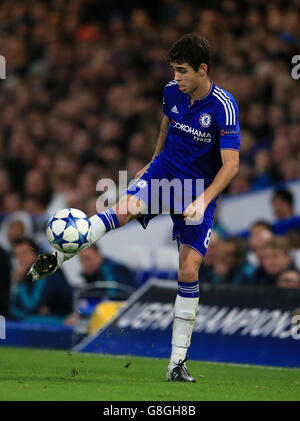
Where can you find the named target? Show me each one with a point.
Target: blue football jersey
(198, 132)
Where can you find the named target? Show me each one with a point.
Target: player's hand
(195, 210)
(142, 171)
(45, 265)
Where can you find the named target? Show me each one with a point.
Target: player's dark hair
(24, 240)
(284, 195)
(191, 48)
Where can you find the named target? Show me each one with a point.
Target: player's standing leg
(185, 310)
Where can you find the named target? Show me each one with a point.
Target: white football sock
(102, 223)
(185, 310)
(62, 257)
(98, 228)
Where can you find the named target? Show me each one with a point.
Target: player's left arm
(229, 169)
(227, 123)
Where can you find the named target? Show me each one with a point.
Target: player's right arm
(164, 126)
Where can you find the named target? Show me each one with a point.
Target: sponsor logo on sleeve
(229, 132)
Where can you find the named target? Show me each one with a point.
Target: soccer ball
(69, 230)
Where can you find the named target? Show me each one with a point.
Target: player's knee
(123, 218)
(135, 206)
(128, 208)
(188, 274)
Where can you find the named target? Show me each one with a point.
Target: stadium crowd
(82, 100)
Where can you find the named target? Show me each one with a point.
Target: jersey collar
(197, 101)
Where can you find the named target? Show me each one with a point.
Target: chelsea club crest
(205, 120)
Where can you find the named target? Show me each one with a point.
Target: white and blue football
(69, 230)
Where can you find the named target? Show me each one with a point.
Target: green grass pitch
(31, 374)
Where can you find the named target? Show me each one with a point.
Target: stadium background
(82, 100)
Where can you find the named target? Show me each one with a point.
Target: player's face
(188, 80)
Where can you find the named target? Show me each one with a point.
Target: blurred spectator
(35, 205)
(230, 265)
(240, 184)
(293, 238)
(11, 202)
(49, 300)
(275, 259)
(289, 279)
(218, 227)
(112, 117)
(15, 225)
(260, 232)
(283, 204)
(206, 271)
(96, 267)
(66, 107)
(290, 169)
(5, 267)
(263, 164)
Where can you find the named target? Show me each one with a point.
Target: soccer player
(199, 139)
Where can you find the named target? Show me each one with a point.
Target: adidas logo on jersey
(174, 109)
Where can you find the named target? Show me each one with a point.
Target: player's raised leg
(127, 209)
(185, 309)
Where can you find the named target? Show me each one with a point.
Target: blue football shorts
(162, 192)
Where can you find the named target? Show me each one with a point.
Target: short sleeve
(168, 95)
(228, 124)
